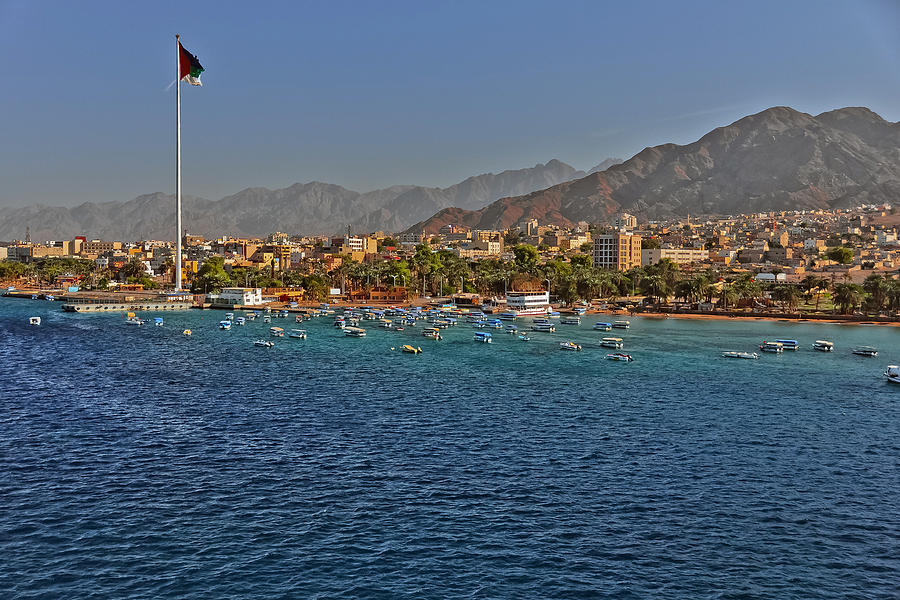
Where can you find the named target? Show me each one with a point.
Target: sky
(373, 94)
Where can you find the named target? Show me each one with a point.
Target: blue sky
(370, 94)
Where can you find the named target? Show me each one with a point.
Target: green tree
(848, 296)
(211, 276)
(878, 289)
(650, 244)
(841, 254)
(526, 258)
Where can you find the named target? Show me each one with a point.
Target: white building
(528, 303)
(682, 256)
(238, 297)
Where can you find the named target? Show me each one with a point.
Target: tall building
(624, 221)
(620, 251)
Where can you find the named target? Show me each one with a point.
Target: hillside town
(837, 260)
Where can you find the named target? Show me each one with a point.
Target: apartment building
(620, 251)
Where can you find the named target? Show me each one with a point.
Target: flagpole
(178, 164)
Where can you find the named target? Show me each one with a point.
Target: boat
(483, 337)
(340, 323)
(543, 327)
(411, 349)
(524, 337)
(267, 318)
(580, 311)
(823, 346)
(789, 344)
(225, 325)
(229, 316)
(158, 321)
(508, 316)
(621, 324)
(276, 331)
(34, 320)
(619, 356)
(511, 329)
(264, 343)
(612, 342)
(570, 321)
(536, 302)
(432, 332)
(601, 326)
(186, 332)
(892, 373)
(569, 346)
(495, 324)
(298, 333)
(775, 347)
(354, 332)
(240, 321)
(865, 351)
(734, 354)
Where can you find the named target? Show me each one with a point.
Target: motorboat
(340, 323)
(569, 346)
(543, 327)
(524, 337)
(734, 354)
(432, 332)
(612, 342)
(511, 329)
(229, 316)
(892, 373)
(240, 321)
(508, 316)
(823, 346)
(865, 351)
(482, 336)
(621, 324)
(789, 344)
(226, 325)
(264, 343)
(601, 326)
(187, 332)
(276, 331)
(774, 347)
(158, 321)
(34, 320)
(495, 324)
(570, 321)
(357, 332)
(298, 333)
(619, 356)
(411, 349)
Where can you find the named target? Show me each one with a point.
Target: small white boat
(357, 332)
(601, 326)
(570, 321)
(621, 324)
(511, 329)
(158, 321)
(524, 337)
(483, 337)
(774, 347)
(264, 343)
(432, 332)
(746, 355)
(619, 356)
(823, 346)
(276, 331)
(892, 373)
(543, 327)
(34, 321)
(298, 333)
(569, 346)
(612, 342)
(865, 351)
(240, 321)
(225, 325)
(229, 316)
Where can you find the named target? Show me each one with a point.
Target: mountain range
(303, 208)
(777, 159)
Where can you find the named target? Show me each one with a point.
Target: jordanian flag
(190, 67)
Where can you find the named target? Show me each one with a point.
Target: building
(620, 251)
(238, 297)
(624, 221)
(682, 256)
(528, 303)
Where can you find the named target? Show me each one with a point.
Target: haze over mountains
(778, 159)
(303, 208)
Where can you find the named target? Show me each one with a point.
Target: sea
(137, 462)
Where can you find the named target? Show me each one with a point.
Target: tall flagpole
(178, 164)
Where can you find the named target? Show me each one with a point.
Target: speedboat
(158, 321)
(775, 347)
(34, 320)
(619, 356)
(225, 325)
(187, 332)
(354, 332)
(229, 316)
(621, 324)
(432, 332)
(482, 336)
(524, 337)
(264, 343)
(789, 344)
(600, 326)
(495, 324)
(733, 354)
(892, 373)
(411, 349)
(823, 346)
(865, 351)
(569, 346)
(276, 331)
(298, 333)
(511, 329)
(240, 321)
(570, 321)
(612, 342)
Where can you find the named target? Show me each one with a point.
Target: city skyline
(368, 97)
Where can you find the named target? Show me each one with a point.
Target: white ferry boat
(745, 355)
(621, 324)
(612, 342)
(823, 346)
(892, 373)
(298, 333)
(528, 303)
(354, 332)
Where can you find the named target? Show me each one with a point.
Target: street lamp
(394, 277)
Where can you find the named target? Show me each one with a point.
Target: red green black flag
(190, 66)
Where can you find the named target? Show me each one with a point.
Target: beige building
(682, 256)
(620, 251)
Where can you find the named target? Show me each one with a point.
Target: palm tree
(848, 296)
(878, 289)
(657, 288)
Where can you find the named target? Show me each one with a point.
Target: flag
(190, 67)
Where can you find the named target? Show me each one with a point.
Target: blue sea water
(136, 462)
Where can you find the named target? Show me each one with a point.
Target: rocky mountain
(307, 208)
(778, 159)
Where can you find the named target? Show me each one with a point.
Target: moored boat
(774, 347)
(619, 356)
(432, 332)
(621, 324)
(612, 342)
(868, 351)
(601, 326)
(570, 321)
(789, 344)
(264, 343)
(745, 355)
(240, 321)
(823, 346)
(298, 333)
(354, 332)
(892, 373)
(34, 320)
(543, 327)
(524, 337)
(411, 349)
(569, 346)
(158, 321)
(276, 331)
(226, 325)
(511, 329)
(482, 336)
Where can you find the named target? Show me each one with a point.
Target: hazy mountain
(308, 208)
(605, 165)
(778, 159)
